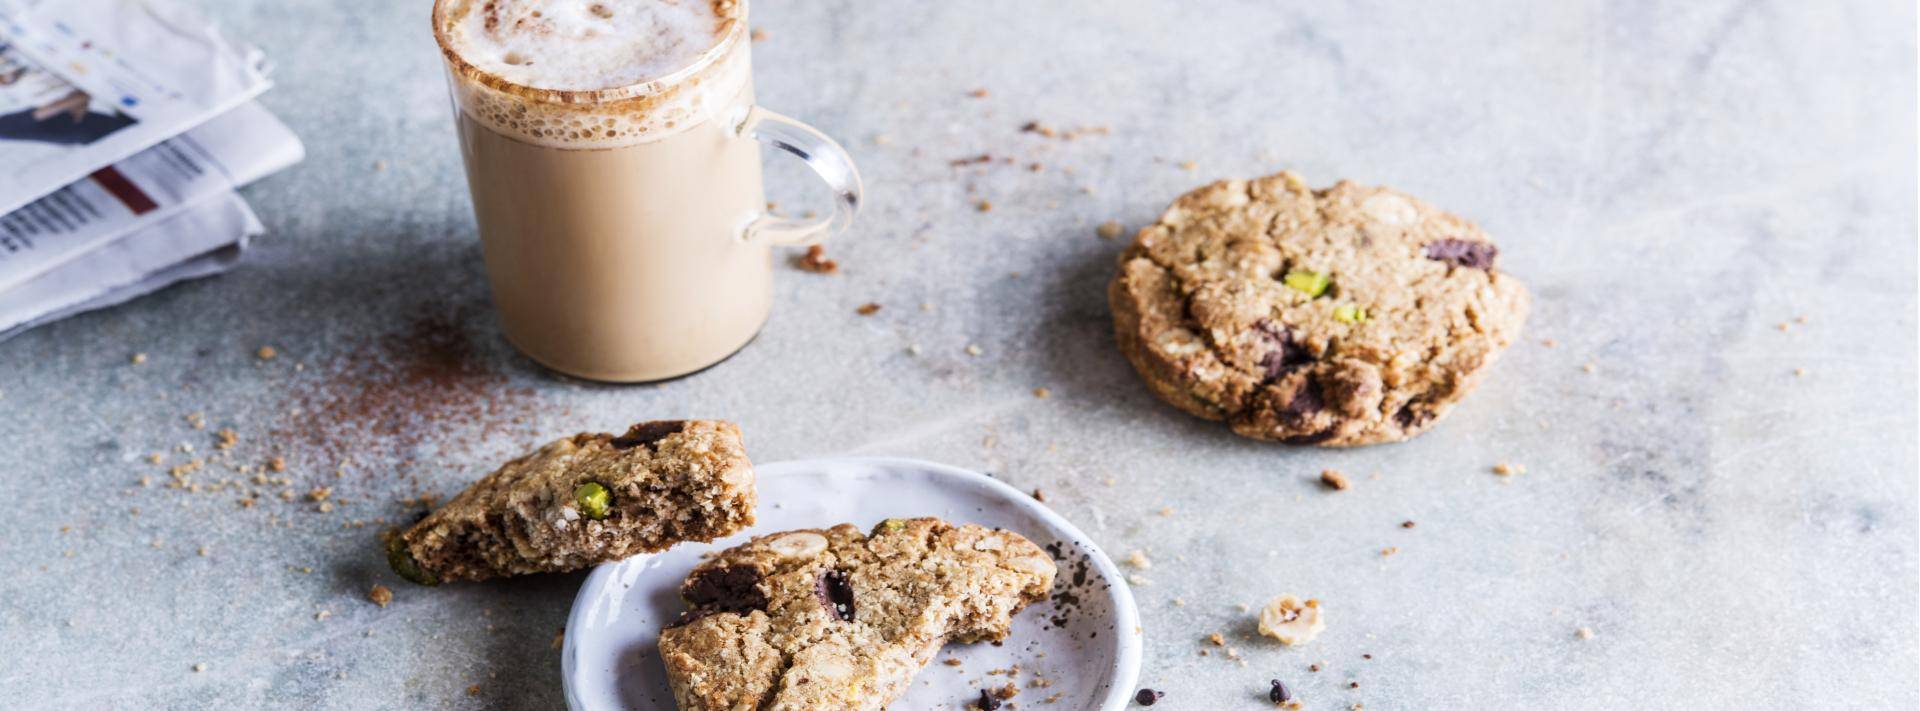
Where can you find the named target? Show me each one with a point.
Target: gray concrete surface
(1673, 179)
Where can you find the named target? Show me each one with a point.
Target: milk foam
(593, 74)
(580, 45)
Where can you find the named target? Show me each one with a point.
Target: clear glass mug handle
(825, 157)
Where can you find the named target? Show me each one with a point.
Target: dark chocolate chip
(1463, 253)
(1147, 697)
(1410, 417)
(1283, 354)
(647, 433)
(733, 589)
(987, 702)
(836, 594)
(1311, 437)
(1279, 694)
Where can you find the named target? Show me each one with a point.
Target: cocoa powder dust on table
(388, 407)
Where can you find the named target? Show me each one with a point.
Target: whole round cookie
(1338, 317)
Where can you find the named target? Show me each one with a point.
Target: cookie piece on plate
(585, 500)
(1346, 316)
(837, 619)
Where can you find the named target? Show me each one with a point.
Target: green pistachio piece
(402, 562)
(1350, 313)
(891, 525)
(1313, 284)
(594, 500)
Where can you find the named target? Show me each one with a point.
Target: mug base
(654, 380)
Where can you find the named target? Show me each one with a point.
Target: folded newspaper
(125, 128)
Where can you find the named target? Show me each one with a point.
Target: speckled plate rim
(1127, 647)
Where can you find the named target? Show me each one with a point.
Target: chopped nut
(757, 35)
(1291, 621)
(225, 439)
(816, 261)
(1042, 393)
(1109, 229)
(1506, 469)
(984, 206)
(277, 464)
(267, 353)
(1138, 559)
(1333, 478)
(978, 93)
(1406, 524)
(380, 595)
(1389, 550)
(868, 309)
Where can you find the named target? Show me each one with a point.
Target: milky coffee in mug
(613, 153)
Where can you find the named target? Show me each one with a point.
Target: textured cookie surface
(834, 619)
(1346, 316)
(585, 500)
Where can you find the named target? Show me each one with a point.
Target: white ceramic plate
(1086, 640)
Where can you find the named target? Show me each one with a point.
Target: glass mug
(625, 231)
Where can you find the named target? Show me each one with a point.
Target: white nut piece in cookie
(800, 544)
(1288, 619)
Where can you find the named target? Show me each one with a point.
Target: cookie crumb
(1109, 229)
(984, 206)
(1039, 495)
(816, 261)
(139, 358)
(1406, 524)
(1389, 550)
(1334, 479)
(1188, 165)
(868, 309)
(1590, 368)
(473, 690)
(758, 35)
(1799, 372)
(978, 93)
(322, 615)
(1217, 640)
(1138, 559)
(1584, 632)
(1042, 393)
(952, 662)
(1179, 602)
(380, 595)
(1166, 512)
(266, 353)
(1508, 469)
(202, 666)
(974, 350)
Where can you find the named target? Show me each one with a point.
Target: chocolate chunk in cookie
(1338, 317)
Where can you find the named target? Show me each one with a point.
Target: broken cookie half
(585, 500)
(837, 619)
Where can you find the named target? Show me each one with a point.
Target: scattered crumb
(868, 309)
(139, 358)
(974, 349)
(202, 666)
(816, 261)
(1406, 524)
(984, 206)
(1333, 478)
(952, 662)
(1389, 550)
(1782, 326)
(380, 595)
(757, 35)
(979, 93)
(202, 551)
(225, 439)
(1508, 469)
(379, 165)
(1138, 559)
(1591, 368)
(913, 349)
(1039, 495)
(1166, 511)
(1136, 580)
(277, 464)
(323, 614)
(1188, 165)
(1550, 343)
(1584, 632)
(1109, 229)
(1217, 640)
(1802, 319)
(1179, 602)
(1799, 372)
(473, 690)
(267, 353)
(1042, 393)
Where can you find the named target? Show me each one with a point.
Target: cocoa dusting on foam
(597, 74)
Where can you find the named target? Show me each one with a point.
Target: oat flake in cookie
(1338, 317)
(837, 619)
(585, 500)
